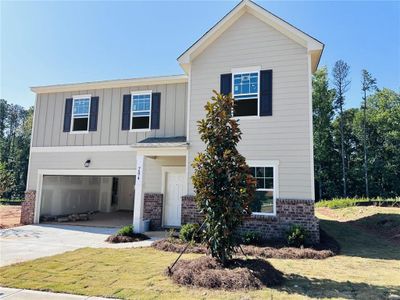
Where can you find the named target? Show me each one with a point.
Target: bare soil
(10, 216)
(206, 272)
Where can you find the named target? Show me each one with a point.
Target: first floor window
(80, 113)
(141, 111)
(246, 93)
(264, 201)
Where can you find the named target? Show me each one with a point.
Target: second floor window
(80, 114)
(141, 111)
(246, 93)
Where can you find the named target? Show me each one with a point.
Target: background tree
(383, 121)
(341, 83)
(325, 157)
(222, 181)
(368, 84)
(15, 133)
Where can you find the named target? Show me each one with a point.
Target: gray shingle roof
(171, 139)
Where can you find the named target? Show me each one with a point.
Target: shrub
(189, 232)
(348, 202)
(251, 238)
(125, 231)
(296, 236)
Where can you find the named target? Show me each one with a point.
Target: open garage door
(105, 201)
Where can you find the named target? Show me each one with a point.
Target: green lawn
(368, 268)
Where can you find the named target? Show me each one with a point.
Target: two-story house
(127, 145)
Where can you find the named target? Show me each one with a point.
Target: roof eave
(119, 83)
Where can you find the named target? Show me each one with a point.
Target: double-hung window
(80, 113)
(266, 189)
(141, 111)
(246, 92)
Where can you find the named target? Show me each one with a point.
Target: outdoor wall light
(87, 163)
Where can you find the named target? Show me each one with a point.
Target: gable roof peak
(314, 46)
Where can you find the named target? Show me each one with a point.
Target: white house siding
(49, 117)
(153, 171)
(284, 136)
(100, 160)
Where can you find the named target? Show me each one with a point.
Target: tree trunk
(365, 146)
(342, 150)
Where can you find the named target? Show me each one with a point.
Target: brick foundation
(28, 208)
(288, 212)
(190, 213)
(153, 204)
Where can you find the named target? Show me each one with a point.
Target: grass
(4, 201)
(368, 268)
(348, 202)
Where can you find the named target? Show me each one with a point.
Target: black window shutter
(226, 84)
(94, 109)
(126, 112)
(67, 115)
(266, 93)
(155, 110)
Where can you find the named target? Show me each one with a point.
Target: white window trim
(79, 97)
(131, 116)
(237, 71)
(268, 164)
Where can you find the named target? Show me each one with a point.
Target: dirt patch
(206, 272)
(136, 237)
(10, 216)
(386, 226)
(327, 248)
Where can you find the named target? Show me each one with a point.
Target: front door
(174, 183)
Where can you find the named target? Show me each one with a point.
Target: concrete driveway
(29, 242)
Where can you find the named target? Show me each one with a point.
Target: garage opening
(103, 201)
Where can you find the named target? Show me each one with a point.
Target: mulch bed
(327, 248)
(136, 237)
(206, 272)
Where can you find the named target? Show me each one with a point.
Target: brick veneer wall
(153, 204)
(28, 207)
(190, 213)
(288, 212)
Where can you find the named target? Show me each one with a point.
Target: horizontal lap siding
(107, 160)
(285, 135)
(49, 117)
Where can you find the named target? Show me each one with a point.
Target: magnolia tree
(222, 181)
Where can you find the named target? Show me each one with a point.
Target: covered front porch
(161, 181)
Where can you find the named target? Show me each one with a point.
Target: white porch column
(138, 207)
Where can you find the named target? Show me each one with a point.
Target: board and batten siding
(284, 136)
(49, 117)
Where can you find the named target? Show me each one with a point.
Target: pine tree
(368, 84)
(324, 155)
(341, 83)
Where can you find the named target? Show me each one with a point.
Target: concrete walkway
(18, 294)
(29, 242)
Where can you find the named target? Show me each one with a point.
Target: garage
(104, 201)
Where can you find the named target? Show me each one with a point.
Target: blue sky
(63, 42)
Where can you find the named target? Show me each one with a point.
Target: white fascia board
(87, 172)
(119, 83)
(172, 151)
